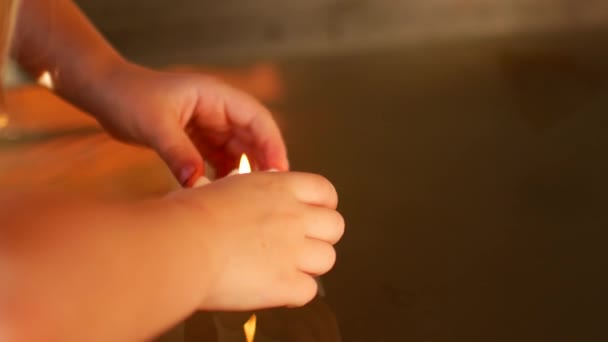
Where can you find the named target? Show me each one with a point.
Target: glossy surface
(48, 143)
(473, 179)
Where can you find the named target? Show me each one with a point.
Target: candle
(201, 182)
(244, 167)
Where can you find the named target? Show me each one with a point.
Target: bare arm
(55, 36)
(75, 271)
(183, 117)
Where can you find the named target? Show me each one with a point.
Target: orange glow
(244, 166)
(249, 328)
(4, 121)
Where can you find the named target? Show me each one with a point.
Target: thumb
(179, 153)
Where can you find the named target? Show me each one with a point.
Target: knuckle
(326, 188)
(325, 183)
(339, 223)
(340, 227)
(333, 226)
(307, 292)
(330, 259)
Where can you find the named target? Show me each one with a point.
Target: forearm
(96, 272)
(55, 36)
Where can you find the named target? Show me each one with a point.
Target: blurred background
(189, 31)
(467, 140)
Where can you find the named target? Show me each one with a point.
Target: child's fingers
(318, 257)
(177, 150)
(302, 290)
(313, 189)
(257, 123)
(325, 225)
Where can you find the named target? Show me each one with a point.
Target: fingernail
(186, 174)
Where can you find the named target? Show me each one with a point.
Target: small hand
(268, 235)
(188, 117)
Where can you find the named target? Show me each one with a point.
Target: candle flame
(46, 80)
(249, 328)
(244, 166)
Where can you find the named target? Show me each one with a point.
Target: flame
(249, 328)
(46, 80)
(244, 166)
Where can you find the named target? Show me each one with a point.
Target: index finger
(313, 189)
(258, 130)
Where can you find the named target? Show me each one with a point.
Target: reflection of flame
(244, 166)
(46, 80)
(249, 328)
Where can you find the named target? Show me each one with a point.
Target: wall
(163, 31)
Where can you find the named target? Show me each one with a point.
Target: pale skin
(76, 269)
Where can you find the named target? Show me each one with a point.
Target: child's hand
(186, 116)
(267, 234)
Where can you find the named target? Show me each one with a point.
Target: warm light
(46, 80)
(244, 166)
(249, 328)
(3, 120)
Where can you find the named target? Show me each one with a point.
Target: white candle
(201, 182)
